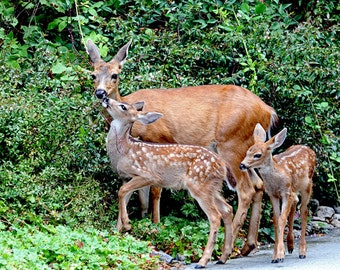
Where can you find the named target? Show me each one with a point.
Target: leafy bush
(62, 248)
(178, 236)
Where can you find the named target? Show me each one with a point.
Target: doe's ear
(259, 133)
(122, 54)
(93, 51)
(149, 117)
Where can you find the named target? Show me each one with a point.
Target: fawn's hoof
(247, 249)
(279, 260)
(198, 266)
(302, 256)
(219, 262)
(127, 228)
(290, 251)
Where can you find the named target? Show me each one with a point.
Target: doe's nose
(101, 93)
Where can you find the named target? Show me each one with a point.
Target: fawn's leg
(226, 212)
(135, 183)
(207, 203)
(305, 197)
(290, 235)
(276, 214)
(285, 209)
(122, 212)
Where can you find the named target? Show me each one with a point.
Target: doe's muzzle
(101, 93)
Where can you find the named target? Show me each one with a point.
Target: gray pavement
(323, 252)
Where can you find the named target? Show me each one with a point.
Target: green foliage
(178, 236)
(50, 151)
(62, 248)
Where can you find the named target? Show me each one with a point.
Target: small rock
(316, 227)
(313, 206)
(315, 218)
(162, 256)
(337, 209)
(325, 212)
(336, 220)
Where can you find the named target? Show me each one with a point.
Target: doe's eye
(93, 76)
(114, 76)
(257, 155)
(123, 107)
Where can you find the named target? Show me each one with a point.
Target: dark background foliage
(54, 167)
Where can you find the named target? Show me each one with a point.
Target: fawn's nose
(101, 93)
(243, 167)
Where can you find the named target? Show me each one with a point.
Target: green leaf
(245, 8)
(53, 24)
(308, 120)
(58, 68)
(260, 8)
(149, 32)
(331, 178)
(227, 28)
(14, 64)
(275, 26)
(324, 105)
(93, 12)
(62, 25)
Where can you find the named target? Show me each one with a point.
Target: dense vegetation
(54, 170)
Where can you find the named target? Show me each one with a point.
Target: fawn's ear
(259, 133)
(122, 54)
(139, 105)
(149, 117)
(278, 139)
(93, 51)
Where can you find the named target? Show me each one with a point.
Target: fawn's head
(106, 74)
(261, 151)
(129, 113)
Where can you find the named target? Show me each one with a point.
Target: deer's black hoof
(302, 256)
(247, 249)
(198, 266)
(279, 260)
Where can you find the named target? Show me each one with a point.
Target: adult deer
(284, 175)
(175, 166)
(223, 115)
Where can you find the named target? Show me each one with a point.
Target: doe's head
(106, 74)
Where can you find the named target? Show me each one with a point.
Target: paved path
(323, 253)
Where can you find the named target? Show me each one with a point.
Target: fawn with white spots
(285, 176)
(175, 166)
(219, 115)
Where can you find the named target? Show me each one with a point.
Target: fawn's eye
(257, 155)
(122, 107)
(114, 76)
(93, 76)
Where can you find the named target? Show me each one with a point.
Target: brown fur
(174, 166)
(285, 176)
(221, 114)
